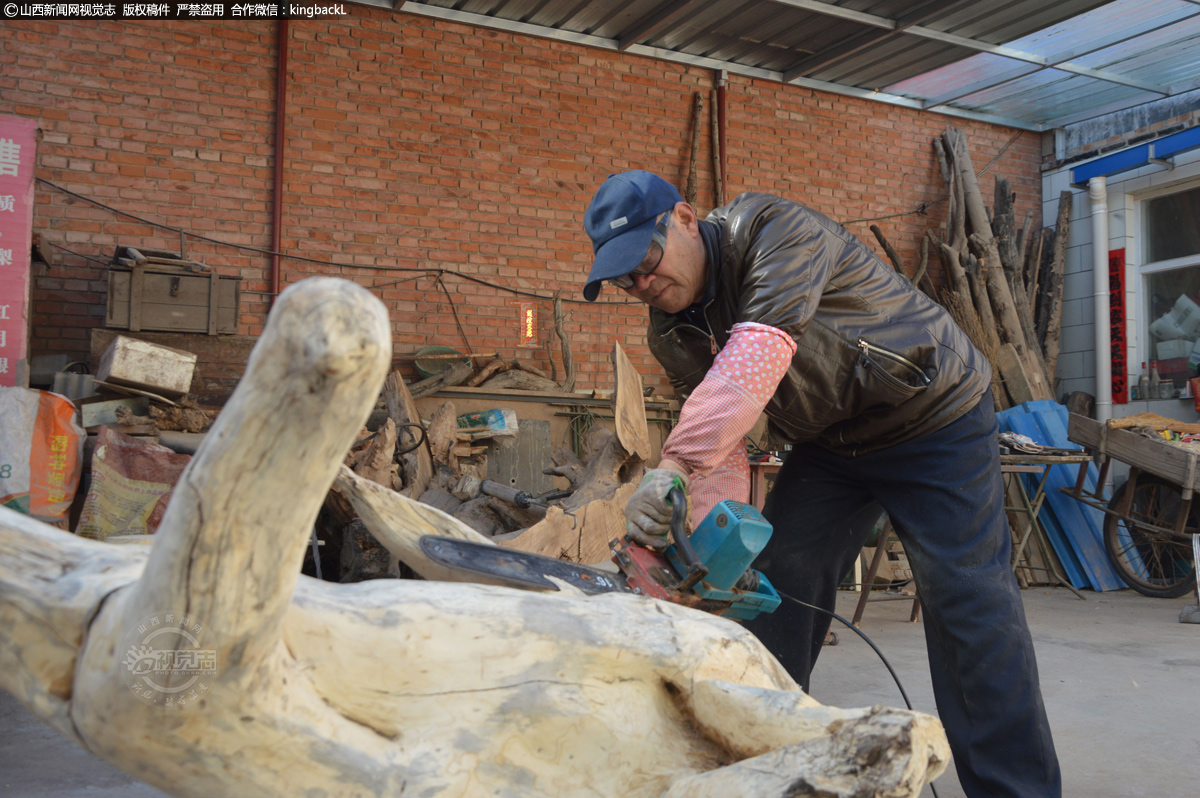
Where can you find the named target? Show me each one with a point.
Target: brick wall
(421, 144)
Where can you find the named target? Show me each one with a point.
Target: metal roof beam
(1100, 44)
(864, 40)
(820, 7)
(1030, 58)
(589, 40)
(659, 17)
(830, 10)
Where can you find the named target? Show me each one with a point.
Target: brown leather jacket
(877, 362)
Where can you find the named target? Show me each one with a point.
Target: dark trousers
(945, 497)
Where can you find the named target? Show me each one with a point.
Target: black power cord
(420, 441)
(874, 648)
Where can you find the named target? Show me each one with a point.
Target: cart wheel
(1152, 563)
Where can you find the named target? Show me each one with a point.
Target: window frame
(1145, 270)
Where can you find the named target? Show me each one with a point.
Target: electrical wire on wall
(439, 271)
(920, 210)
(923, 208)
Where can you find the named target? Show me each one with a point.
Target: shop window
(1171, 276)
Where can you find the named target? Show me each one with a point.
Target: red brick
(469, 150)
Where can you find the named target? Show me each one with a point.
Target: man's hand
(648, 513)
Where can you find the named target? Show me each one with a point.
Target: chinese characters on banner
(1116, 326)
(17, 142)
(528, 326)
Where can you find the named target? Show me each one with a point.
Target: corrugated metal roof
(1029, 63)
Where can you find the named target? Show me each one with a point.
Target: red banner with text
(17, 153)
(1116, 326)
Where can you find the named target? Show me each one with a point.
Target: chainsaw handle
(696, 570)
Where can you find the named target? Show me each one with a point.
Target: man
(767, 305)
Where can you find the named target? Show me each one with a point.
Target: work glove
(648, 513)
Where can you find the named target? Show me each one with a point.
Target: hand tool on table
(710, 570)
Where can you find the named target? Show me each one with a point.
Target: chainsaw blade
(519, 569)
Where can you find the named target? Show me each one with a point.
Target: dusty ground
(1120, 676)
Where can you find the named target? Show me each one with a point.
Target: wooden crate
(170, 299)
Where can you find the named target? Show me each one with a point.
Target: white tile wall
(1076, 361)
(1077, 338)
(1072, 312)
(1077, 285)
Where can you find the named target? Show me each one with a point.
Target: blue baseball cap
(620, 221)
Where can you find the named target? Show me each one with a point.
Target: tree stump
(209, 666)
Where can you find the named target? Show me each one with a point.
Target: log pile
(204, 664)
(1004, 282)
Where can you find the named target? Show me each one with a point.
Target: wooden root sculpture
(208, 666)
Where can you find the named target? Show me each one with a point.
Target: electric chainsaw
(710, 570)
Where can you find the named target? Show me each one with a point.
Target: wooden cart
(1150, 521)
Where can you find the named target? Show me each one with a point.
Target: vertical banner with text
(1116, 326)
(528, 325)
(17, 143)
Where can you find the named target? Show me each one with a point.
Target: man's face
(678, 281)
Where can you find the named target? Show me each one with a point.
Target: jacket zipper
(869, 349)
(712, 339)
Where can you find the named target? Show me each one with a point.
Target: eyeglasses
(658, 245)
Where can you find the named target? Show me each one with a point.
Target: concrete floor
(1120, 676)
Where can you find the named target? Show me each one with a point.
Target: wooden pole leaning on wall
(718, 183)
(974, 245)
(1052, 287)
(693, 179)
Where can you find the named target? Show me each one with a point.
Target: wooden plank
(231, 297)
(1172, 463)
(137, 282)
(1154, 421)
(1012, 372)
(118, 299)
(629, 406)
(214, 284)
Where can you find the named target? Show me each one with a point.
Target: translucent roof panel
(1030, 64)
(1117, 56)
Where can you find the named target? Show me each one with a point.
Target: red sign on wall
(17, 143)
(1116, 326)
(528, 326)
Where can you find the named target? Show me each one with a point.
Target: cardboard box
(1172, 349)
(146, 366)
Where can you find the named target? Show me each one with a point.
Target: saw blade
(519, 569)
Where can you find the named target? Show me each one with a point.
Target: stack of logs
(1005, 285)
(431, 468)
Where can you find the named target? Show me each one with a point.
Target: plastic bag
(132, 481)
(41, 452)
(497, 423)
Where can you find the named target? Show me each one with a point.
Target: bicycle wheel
(1152, 562)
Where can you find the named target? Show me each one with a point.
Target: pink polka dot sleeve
(729, 400)
(729, 480)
